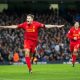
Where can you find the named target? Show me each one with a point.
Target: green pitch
(41, 72)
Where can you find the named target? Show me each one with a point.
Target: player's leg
(72, 51)
(74, 54)
(27, 58)
(27, 54)
(74, 57)
(32, 57)
(33, 50)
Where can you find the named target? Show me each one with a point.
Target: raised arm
(51, 26)
(12, 26)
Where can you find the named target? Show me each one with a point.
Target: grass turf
(41, 72)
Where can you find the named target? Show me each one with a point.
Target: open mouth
(27, 21)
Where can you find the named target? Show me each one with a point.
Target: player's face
(76, 25)
(29, 19)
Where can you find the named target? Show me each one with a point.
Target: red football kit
(74, 44)
(31, 34)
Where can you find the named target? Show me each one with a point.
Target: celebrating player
(74, 36)
(31, 28)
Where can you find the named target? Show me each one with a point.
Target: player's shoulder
(36, 22)
(24, 22)
(72, 28)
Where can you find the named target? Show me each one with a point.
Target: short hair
(76, 21)
(32, 16)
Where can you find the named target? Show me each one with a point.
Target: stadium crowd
(52, 43)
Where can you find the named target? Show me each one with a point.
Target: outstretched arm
(12, 26)
(51, 26)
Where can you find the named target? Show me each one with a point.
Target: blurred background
(53, 46)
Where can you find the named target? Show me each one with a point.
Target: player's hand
(75, 38)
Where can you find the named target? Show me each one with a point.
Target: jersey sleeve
(40, 25)
(69, 34)
(22, 25)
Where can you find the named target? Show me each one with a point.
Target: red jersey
(74, 33)
(31, 30)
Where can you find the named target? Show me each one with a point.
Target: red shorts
(30, 44)
(74, 46)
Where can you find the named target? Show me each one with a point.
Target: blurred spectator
(16, 57)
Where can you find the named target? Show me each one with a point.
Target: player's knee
(75, 51)
(27, 52)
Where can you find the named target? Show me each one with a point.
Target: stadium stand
(52, 43)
